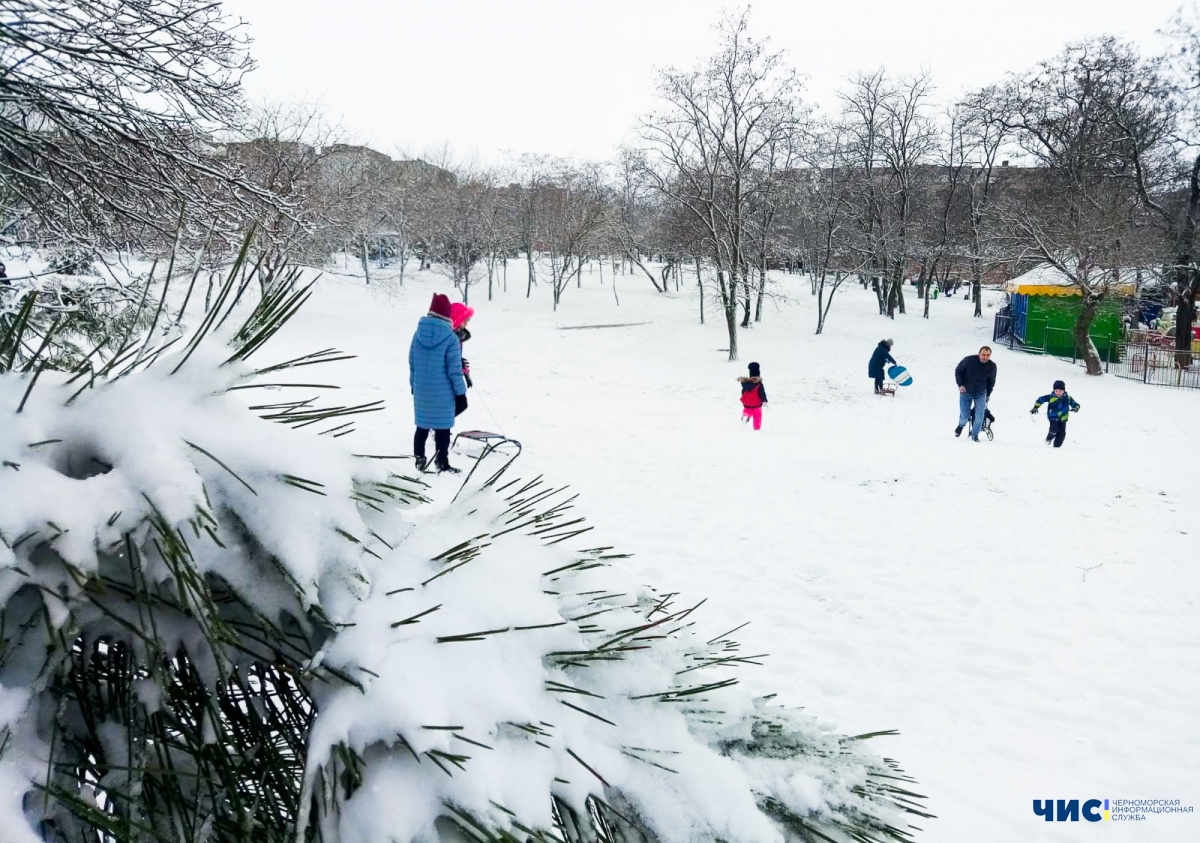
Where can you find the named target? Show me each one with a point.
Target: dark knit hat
(1059, 385)
(440, 306)
(753, 367)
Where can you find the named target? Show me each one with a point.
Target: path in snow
(1027, 618)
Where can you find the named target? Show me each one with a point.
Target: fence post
(1146, 364)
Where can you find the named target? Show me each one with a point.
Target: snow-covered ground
(1026, 617)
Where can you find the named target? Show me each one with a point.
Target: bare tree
(828, 195)
(530, 175)
(575, 211)
(863, 115)
(634, 213)
(1159, 131)
(458, 228)
(780, 157)
(715, 127)
(282, 148)
(941, 198)
(106, 115)
(906, 143)
(408, 201)
(497, 228)
(1079, 212)
(981, 135)
(361, 180)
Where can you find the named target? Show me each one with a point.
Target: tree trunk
(666, 273)
(820, 289)
(1187, 275)
(823, 310)
(731, 323)
(700, 287)
(1083, 337)
(928, 280)
(1185, 320)
(557, 279)
(880, 284)
(977, 286)
(890, 282)
(365, 261)
(649, 274)
(529, 285)
(746, 293)
(762, 287)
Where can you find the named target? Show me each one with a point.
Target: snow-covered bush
(217, 623)
(62, 317)
(71, 261)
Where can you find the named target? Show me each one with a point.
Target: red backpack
(750, 399)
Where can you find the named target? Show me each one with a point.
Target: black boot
(442, 461)
(420, 437)
(958, 430)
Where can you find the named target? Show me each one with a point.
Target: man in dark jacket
(976, 378)
(875, 367)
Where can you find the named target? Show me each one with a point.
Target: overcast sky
(569, 77)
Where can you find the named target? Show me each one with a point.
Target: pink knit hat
(440, 307)
(459, 314)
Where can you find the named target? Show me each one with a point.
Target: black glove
(460, 404)
(1033, 412)
(468, 379)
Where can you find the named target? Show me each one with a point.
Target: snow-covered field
(1027, 618)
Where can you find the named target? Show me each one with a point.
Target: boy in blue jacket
(1060, 407)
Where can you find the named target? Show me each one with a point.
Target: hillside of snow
(1025, 617)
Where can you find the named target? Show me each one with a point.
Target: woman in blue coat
(436, 379)
(875, 368)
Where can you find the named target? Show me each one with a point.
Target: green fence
(1050, 325)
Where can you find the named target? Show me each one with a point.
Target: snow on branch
(219, 621)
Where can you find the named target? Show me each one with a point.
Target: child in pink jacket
(754, 397)
(460, 315)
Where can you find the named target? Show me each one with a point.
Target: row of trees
(1088, 162)
(1104, 177)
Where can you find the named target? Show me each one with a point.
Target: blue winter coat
(882, 353)
(435, 373)
(1060, 408)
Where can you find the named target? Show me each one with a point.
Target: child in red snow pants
(754, 397)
